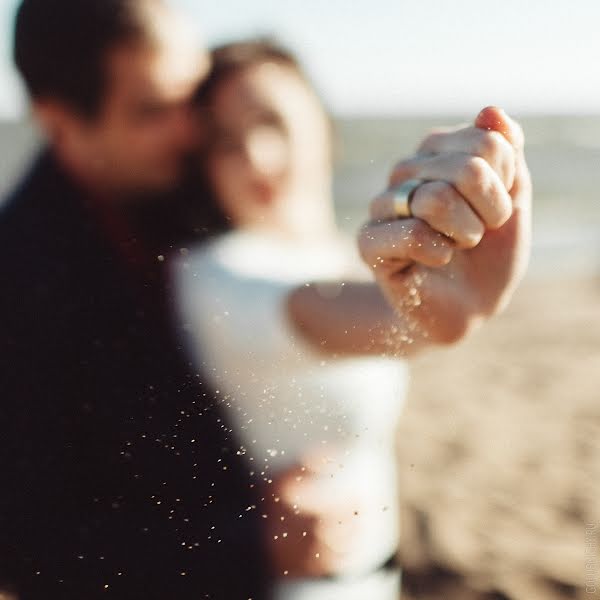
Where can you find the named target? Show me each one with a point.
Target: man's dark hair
(61, 46)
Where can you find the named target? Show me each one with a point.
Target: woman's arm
(355, 319)
(456, 277)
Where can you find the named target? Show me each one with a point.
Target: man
(118, 476)
(118, 479)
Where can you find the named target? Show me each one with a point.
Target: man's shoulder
(16, 221)
(16, 207)
(31, 253)
(28, 213)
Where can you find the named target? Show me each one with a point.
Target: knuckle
(420, 200)
(494, 147)
(490, 144)
(482, 183)
(434, 200)
(474, 172)
(444, 199)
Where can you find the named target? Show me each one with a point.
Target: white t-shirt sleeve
(235, 323)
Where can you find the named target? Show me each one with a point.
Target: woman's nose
(267, 152)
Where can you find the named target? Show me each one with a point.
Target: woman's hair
(230, 59)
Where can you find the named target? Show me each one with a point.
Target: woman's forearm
(354, 318)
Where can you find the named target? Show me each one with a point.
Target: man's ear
(51, 117)
(57, 120)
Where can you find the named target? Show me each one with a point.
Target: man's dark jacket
(118, 476)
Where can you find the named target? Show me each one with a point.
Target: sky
(395, 57)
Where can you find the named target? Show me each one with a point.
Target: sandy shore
(500, 455)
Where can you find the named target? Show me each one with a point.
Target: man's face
(145, 125)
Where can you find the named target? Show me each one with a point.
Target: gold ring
(402, 195)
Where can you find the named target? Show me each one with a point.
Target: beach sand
(500, 455)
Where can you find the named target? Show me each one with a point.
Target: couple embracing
(200, 384)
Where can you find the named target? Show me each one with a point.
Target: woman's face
(270, 139)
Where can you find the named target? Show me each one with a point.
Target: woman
(275, 311)
(317, 423)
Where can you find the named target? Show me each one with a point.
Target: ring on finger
(402, 196)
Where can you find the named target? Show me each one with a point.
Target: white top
(286, 399)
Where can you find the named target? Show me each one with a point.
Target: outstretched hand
(467, 244)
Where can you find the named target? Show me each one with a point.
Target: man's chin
(160, 181)
(144, 192)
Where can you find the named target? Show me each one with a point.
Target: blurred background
(500, 444)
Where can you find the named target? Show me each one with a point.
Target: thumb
(493, 118)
